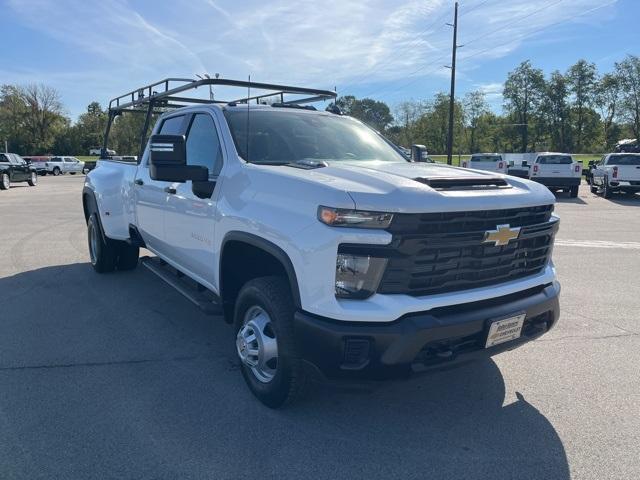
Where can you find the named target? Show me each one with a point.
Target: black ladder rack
(160, 96)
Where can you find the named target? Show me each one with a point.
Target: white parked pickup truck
(491, 162)
(616, 172)
(61, 165)
(329, 253)
(558, 171)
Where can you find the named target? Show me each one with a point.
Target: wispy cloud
(377, 44)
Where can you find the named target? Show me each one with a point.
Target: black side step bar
(204, 299)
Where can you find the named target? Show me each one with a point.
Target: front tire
(5, 182)
(270, 363)
(33, 181)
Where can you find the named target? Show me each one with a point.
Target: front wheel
(5, 181)
(265, 343)
(33, 181)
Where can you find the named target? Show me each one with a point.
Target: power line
(517, 20)
(396, 53)
(466, 12)
(475, 54)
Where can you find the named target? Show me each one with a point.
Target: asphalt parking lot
(117, 376)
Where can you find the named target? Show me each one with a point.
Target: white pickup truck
(61, 165)
(558, 171)
(329, 253)
(491, 162)
(616, 172)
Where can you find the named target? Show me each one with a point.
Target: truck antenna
(248, 100)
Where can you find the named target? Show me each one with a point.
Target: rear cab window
(624, 160)
(486, 158)
(554, 160)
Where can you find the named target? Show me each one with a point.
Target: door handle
(138, 181)
(170, 190)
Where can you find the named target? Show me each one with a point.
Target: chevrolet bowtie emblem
(502, 235)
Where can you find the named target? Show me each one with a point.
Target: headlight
(340, 217)
(358, 276)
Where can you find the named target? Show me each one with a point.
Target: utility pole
(453, 84)
(6, 147)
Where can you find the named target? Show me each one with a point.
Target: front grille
(445, 252)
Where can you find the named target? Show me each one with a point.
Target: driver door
(190, 220)
(151, 195)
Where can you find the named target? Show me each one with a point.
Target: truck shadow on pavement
(119, 376)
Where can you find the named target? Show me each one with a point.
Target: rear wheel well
(242, 261)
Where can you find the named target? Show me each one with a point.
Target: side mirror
(168, 160)
(419, 153)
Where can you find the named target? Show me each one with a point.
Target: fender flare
(91, 207)
(270, 248)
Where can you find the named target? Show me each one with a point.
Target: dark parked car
(13, 168)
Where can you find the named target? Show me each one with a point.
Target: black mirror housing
(168, 160)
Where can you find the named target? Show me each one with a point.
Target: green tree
(629, 73)
(581, 80)
(523, 92)
(607, 100)
(372, 112)
(90, 127)
(557, 112)
(475, 106)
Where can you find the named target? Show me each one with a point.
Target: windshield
(624, 160)
(486, 158)
(279, 137)
(555, 160)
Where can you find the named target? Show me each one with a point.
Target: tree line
(578, 111)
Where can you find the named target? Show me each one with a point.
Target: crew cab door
(21, 171)
(151, 195)
(190, 220)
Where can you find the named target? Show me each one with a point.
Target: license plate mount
(505, 329)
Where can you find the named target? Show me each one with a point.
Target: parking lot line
(598, 244)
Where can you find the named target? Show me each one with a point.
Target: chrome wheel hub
(257, 345)
(5, 180)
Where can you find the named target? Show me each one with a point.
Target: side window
(203, 144)
(3, 158)
(171, 126)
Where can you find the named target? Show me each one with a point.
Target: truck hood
(404, 187)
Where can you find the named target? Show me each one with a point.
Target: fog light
(358, 276)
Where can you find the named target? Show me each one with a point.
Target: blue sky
(388, 50)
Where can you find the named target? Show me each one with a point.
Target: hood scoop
(308, 163)
(461, 183)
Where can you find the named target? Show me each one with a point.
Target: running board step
(204, 299)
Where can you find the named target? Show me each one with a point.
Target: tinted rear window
(486, 158)
(555, 160)
(624, 160)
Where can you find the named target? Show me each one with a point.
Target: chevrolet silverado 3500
(328, 252)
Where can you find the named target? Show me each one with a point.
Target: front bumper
(419, 341)
(558, 181)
